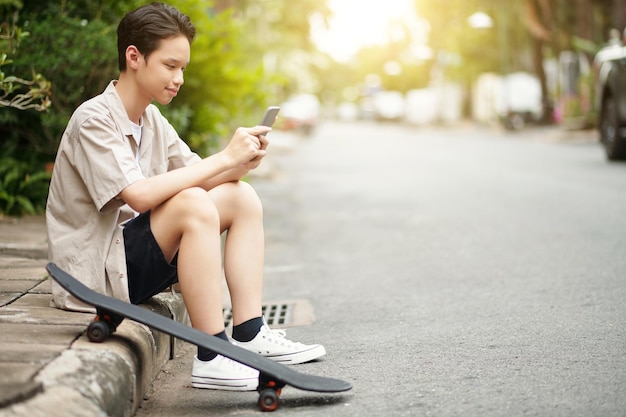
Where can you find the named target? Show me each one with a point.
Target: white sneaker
(275, 346)
(223, 374)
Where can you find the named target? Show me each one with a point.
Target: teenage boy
(132, 210)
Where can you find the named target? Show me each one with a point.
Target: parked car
(520, 100)
(347, 111)
(389, 105)
(610, 70)
(300, 112)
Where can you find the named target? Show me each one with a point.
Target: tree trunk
(539, 16)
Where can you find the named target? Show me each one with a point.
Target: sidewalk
(47, 365)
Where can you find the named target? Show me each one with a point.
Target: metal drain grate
(276, 314)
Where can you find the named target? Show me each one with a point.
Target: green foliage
(227, 83)
(77, 55)
(12, 87)
(22, 189)
(11, 94)
(223, 84)
(463, 51)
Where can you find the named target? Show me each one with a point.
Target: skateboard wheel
(268, 400)
(98, 331)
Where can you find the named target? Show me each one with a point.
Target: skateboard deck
(272, 376)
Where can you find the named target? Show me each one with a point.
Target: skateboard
(272, 376)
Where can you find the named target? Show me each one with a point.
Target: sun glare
(359, 23)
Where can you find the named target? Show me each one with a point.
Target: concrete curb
(108, 379)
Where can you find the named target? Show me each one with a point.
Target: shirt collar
(118, 111)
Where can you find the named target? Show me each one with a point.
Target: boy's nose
(179, 79)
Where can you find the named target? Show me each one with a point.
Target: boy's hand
(248, 146)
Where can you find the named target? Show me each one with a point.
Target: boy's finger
(260, 130)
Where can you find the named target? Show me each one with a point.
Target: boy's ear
(132, 57)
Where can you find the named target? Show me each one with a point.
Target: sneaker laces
(277, 336)
(231, 363)
(234, 365)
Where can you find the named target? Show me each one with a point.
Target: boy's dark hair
(146, 26)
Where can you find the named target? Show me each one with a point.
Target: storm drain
(288, 314)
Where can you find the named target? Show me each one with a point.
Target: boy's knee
(246, 197)
(196, 203)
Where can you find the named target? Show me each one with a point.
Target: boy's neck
(132, 99)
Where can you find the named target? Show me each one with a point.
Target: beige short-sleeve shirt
(96, 160)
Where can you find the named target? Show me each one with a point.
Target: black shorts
(149, 272)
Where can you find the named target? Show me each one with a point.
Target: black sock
(247, 330)
(205, 354)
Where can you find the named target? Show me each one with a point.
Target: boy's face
(160, 77)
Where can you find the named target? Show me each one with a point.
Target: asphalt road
(452, 272)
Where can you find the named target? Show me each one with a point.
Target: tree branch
(37, 97)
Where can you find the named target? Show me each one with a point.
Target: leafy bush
(76, 55)
(22, 189)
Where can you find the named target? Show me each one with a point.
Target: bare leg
(241, 213)
(189, 221)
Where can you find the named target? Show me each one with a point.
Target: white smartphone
(270, 116)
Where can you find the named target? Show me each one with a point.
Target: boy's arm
(238, 172)
(243, 152)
